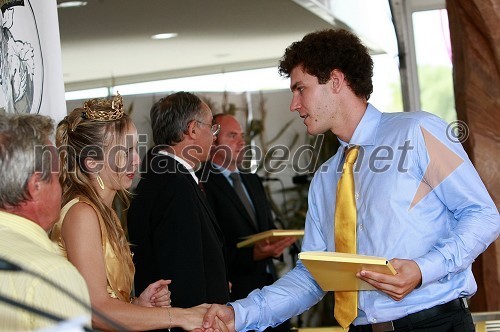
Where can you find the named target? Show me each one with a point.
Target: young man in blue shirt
(419, 201)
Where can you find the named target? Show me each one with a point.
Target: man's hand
(218, 312)
(195, 318)
(406, 279)
(264, 249)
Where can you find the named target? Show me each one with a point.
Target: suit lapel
(204, 202)
(208, 209)
(201, 196)
(225, 187)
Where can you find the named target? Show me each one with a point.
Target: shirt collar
(27, 228)
(366, 131)
(224, 171)
(182, 162)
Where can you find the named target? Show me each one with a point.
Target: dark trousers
(458, 320)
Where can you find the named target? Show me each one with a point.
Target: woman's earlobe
(90, 164)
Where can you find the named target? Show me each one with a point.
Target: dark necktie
(238, 187)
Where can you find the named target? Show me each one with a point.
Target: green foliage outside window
(436, 92)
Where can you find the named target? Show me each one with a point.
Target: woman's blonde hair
(81, 135)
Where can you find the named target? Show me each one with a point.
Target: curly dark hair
(322, 51)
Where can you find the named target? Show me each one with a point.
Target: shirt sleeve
(474, 220)
(291, 295)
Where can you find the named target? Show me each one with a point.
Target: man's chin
(311, 131)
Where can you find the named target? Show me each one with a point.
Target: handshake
(205, 318)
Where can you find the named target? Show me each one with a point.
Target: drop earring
(99, 181)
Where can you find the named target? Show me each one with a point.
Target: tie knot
(352, 155)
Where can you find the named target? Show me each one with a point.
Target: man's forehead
(296, 77)
(231, 124)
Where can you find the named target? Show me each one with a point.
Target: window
(434, 64)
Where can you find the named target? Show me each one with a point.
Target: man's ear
(337, 80)
(193, 129)
(35, 184)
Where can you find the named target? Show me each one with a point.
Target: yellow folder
(335, 271)
(273, 235)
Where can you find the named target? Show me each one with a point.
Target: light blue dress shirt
(442, 231)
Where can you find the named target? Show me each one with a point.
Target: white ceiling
(107, 42)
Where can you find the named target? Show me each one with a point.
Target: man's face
(54, 196)
(314, 102)
(51, 194)
(229, 144)
(207, 137)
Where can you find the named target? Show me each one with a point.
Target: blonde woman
(98, 154)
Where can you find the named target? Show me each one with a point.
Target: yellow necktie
(346, 303)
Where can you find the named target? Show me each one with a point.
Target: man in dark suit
(173, 231)
(250, 267)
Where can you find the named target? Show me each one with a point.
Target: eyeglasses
(214, 128)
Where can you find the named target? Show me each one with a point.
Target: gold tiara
(101, 109)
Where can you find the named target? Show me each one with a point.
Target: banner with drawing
(30, 64)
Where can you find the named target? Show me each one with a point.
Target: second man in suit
(173, 231)
(241, 207)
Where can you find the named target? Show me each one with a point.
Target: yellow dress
(119, 272)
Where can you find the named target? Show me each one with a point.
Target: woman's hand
(193, 318)
(156, 295)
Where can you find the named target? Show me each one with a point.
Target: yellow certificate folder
(273, 235)
(336, 271)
